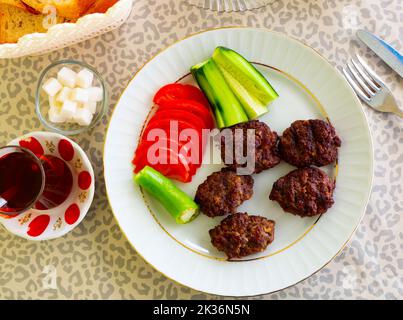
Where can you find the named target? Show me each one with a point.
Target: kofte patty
(265, 153)
(304, 192)
(223, 192)
(240, 235)
(309, 142)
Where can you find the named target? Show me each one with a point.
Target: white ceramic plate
(309, 87)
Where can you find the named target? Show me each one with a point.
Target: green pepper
(181, 207)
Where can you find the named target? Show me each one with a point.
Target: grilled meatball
(239, 235)
(265, 152)
(304, 192)
(223, 192)
(309, 142)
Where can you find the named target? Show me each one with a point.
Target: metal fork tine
(360, 81)
(364, 75)
(371, 72)
(356, 88)
(369, 87)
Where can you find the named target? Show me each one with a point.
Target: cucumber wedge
(227, 108)
(253, 107)
(248, 84)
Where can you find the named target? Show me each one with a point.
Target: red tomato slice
(179, 115)
(163, 145)
(180, 171)
(177, 148)
(178, 91)
(194, 124)
(165, 125)
(191, 106)
(175, 141)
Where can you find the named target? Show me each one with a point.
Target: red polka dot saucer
(36, 224)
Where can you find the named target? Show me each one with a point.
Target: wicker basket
(66, 34)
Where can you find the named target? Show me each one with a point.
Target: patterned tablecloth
(95, 260)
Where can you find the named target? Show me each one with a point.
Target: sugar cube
(69, 109)
(67, 77)
(64, 94)
(52, 87)
(55, 115)
(85, 78)
(79, 95)
(72, 98)
(83, 117)
(53, 103)
(95, 94)
(91, 106)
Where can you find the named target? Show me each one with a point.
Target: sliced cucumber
(251, 105)
(244, 78)
(228, 110)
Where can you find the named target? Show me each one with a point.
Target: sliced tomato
(179, 115)
(165, 125)
(191, 106)
(176, 142)
(189, 115)
(179, 149)
(195, 124)
(180, 171)
(176, 147)
(178, 91)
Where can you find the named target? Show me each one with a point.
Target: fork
(369, 87)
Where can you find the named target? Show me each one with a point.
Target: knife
(388, 54)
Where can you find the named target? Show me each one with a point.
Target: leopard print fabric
(96, 261)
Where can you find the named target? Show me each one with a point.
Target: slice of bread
(19, 4)
(16, 22)
(71, 9)
(101, 6)
(15, 3)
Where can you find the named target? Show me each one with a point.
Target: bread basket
(66, 34)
